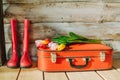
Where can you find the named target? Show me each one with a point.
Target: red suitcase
(78, 57)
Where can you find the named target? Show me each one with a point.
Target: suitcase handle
(78, 66)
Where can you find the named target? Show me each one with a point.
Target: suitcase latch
(102, 56)
(53, 57)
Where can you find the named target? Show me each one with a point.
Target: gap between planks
(112, 74)
(8, 73)
(18, 74)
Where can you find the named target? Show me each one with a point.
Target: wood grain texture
(8, 73)
(56, 12)
(5, 6)
(55, 76)
(36, 31)
(91, 75)
(31, 73)
(64, 12)
(34, 74)
(111, 12)
(110, 74)
(8, 50)
(43, 1)
(104, 31)
(116, 64)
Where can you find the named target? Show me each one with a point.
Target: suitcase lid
(99, 51)
(84, 47)
(89, 47)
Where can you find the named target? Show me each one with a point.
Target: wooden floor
(35, 74)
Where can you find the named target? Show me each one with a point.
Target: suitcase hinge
(53, 57)
(102, 56)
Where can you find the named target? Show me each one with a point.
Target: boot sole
(13, 66)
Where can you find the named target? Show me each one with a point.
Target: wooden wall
(97, 19)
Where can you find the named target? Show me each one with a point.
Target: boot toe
(25, 63)
(12, 64)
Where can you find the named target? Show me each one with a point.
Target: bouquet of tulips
(60, 42)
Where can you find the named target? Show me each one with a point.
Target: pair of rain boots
(15, 61)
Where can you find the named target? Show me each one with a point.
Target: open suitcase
(78, 57)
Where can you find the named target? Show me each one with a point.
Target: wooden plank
(8, 73)
(36, 32)
(88, 75)
(2, 37)
(7, 32)
(110, 74)
(31, 73)
(112, 1)
(5, 6)
(116, 64)
(8, 50)
(111, 9)
(43, 1)
(115, 45)
(116, 55)
(70, 12)
(48, 30)
(55, 76)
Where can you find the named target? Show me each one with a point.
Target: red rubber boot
(14, 60)
(25, 61)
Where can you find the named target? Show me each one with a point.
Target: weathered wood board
(30, 74)
(104, 31)
(83, 75)
(42, 1)
(109, 74)
(55, 76)
(34, 74)
(67, 12)
(116, 64)
(58, 12)
(36, 31)
(8, 73)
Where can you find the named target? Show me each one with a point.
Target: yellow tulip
(61, 47)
